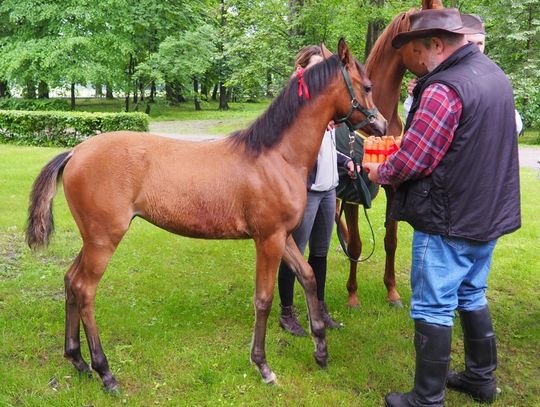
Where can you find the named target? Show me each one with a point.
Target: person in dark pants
(457, 181)
(318, 220)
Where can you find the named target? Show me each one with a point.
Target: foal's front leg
(303, 271)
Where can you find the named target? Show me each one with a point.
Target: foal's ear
(344, 53)
(326, 53)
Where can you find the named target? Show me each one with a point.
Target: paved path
(529, 156)
(198, 130)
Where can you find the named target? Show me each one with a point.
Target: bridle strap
(370, 114)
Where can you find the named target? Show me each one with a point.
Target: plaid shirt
(428, 138)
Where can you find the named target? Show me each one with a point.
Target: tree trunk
(136, 93)
(294, 10)
(72, 96)
(4, 89)
(43, 90)
(29, 91)
(173, 92)
(99, 90)
(223, 105)
(204, 89)
(108, 91)
(223, 102)
(152, 92)
(269, 92)
(131, 64)
(374, 30)
(214, 92)
(196, 96)
(141, 91)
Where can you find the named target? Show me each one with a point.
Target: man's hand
(350, 169)
(411, 85)
(372, 170)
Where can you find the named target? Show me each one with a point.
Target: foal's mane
(267, 130)
(400, 23)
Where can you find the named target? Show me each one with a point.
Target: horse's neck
(302, 141)
(386, 79)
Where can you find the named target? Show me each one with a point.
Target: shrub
(63, 129)
(34, 104)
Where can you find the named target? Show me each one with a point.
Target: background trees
(241, 49)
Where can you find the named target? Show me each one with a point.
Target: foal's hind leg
(83, 284)
(269, 254)
(303, 271)
(72, 345)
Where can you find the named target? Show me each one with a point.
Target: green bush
(63, 129)
(34, 104)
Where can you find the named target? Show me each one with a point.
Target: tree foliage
(245, 48)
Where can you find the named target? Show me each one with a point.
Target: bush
(63, 129)
(34, 104)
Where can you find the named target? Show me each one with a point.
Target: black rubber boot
(432, 343)
(289, 322)
(478, 379)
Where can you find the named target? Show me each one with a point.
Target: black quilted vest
(474, 191)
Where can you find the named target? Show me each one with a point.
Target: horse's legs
(72, 345)
(303, 271)
(83, 284)
(354, 247)
(269, 252)
(390, 245)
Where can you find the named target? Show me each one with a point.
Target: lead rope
(338, 220)
(342, 242)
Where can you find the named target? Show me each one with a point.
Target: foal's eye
(367, 89)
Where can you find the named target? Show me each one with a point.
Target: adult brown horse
(249, 185)
(386, 67)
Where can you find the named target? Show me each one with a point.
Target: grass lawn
(176, 316)
(530, 137)
(161, 110)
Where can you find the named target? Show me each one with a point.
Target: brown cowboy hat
(426, 23)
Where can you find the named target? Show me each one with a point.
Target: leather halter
(370, 114)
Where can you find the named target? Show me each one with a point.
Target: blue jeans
(448, 274)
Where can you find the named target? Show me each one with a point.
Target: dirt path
(198, 130)
(529, 156)
(188, 129)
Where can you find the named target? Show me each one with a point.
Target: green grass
(176, 317)
(161, 110)
(531, 136)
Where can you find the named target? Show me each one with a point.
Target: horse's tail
(40, 218)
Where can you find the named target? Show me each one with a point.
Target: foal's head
(356, 103)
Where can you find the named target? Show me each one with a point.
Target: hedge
(63, 129)
(34, 104)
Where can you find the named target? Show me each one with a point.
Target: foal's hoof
(112, 388)
(322, 361)
(270, 379)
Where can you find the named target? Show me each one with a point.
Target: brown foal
(251, 184)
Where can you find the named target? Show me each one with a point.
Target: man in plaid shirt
(457, 183)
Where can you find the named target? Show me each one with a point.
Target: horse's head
(356, 107)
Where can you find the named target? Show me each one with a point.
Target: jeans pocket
(455, 242)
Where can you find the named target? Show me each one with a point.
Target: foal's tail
(40, 218)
